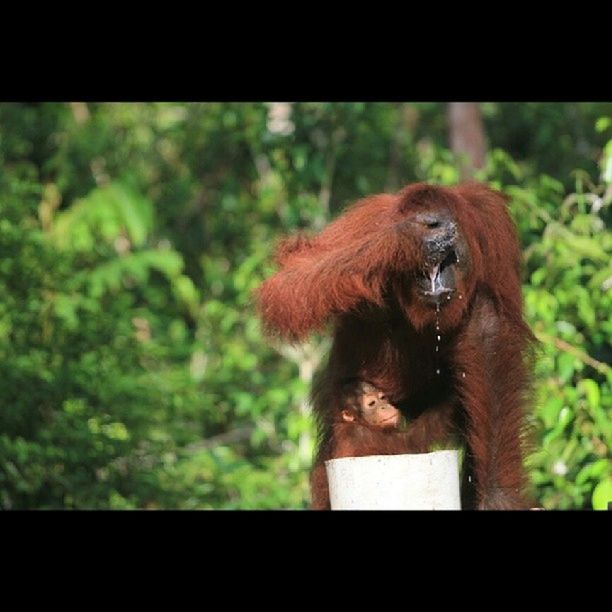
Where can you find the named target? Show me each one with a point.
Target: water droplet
(439, 338)
(438, 371)
(437, 348)
(470, 478)
(460, 297)
(462, 374)
(448, 297)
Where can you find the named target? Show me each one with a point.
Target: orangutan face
(445, 253)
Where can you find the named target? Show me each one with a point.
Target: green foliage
(567, 302)
(135, 373)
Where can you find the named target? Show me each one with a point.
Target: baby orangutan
(367, 424)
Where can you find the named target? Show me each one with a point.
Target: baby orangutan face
(369, 405)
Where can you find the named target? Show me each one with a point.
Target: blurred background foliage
(134, 372)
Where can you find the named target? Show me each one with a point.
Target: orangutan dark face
(446, 257)
(445, 253)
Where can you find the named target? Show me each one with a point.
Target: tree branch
(566, 347)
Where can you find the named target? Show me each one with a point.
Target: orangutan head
(422, 252)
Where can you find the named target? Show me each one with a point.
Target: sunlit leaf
(602, 495)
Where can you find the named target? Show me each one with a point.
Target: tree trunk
(467, 136)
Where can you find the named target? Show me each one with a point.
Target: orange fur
(360, 274)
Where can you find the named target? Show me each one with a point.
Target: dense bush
(134, 370)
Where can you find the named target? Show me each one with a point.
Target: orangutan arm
(491, 377)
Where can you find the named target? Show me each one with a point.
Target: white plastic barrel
(427, 481)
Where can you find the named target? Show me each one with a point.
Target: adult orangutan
(423, 291)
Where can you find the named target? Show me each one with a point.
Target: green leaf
(550, 409)
(602, 495)
(566, 366)
(105, 212)
(593, 471)
(603, 123)
(591, 390)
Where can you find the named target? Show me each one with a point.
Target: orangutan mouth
(439, 280)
